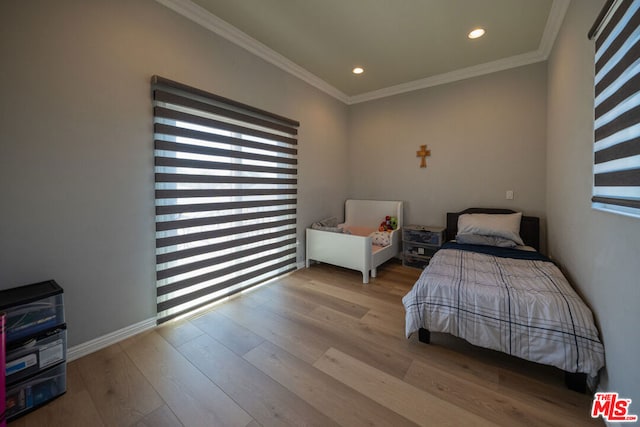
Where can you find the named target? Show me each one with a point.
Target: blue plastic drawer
(31, 309)
(33, 355)
(35, 391)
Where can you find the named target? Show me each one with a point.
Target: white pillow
(506, 226)
(381, 238)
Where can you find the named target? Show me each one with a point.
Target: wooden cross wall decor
(424, 153)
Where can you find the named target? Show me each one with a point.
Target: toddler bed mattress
(509, 300)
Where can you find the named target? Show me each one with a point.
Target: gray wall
(76, 145)
(600, 252)
(76, 200)
(486, 136)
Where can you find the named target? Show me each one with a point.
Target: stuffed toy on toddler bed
(390, 223)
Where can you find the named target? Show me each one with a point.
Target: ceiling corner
(203, 17)
(551, 30)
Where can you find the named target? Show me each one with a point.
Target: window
(616, 169)
(225, 190)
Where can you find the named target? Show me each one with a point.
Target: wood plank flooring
(314, 348)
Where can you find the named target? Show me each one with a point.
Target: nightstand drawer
(415, 261)
(416, 249)
(420, 234)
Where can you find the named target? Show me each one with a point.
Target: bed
(509, 299)
(354, 248)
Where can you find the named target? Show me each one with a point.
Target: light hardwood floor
(314, 348)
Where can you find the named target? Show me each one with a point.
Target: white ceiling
(403, 45)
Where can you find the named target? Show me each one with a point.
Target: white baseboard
(99, 343)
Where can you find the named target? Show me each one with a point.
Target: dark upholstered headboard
(529, 225)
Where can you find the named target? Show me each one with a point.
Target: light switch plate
(509, 195)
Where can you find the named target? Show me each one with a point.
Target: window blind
(225, 192)
(616, 169)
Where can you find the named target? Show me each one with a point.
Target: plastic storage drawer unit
(33, 355)
(419, 244)
(31, 309)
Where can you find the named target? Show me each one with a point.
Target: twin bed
(509, 299)
(490, 287)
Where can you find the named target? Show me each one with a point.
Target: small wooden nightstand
(419, 243)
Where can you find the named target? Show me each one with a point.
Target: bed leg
(424, 336)
(308, 263)
(374, 272)
(365, 277)
(576, 381)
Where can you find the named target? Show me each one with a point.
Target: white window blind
(225, 190)
(616, 169)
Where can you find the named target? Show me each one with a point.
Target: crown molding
(453, 76)
(211, 22)
(552, 27)
(554, 22)
(206, 19)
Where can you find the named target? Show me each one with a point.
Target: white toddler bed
(356, 250)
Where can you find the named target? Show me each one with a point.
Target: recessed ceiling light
(478, 32)
(358, 70)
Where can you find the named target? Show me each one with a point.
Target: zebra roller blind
(225, 191)
(616, 169)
